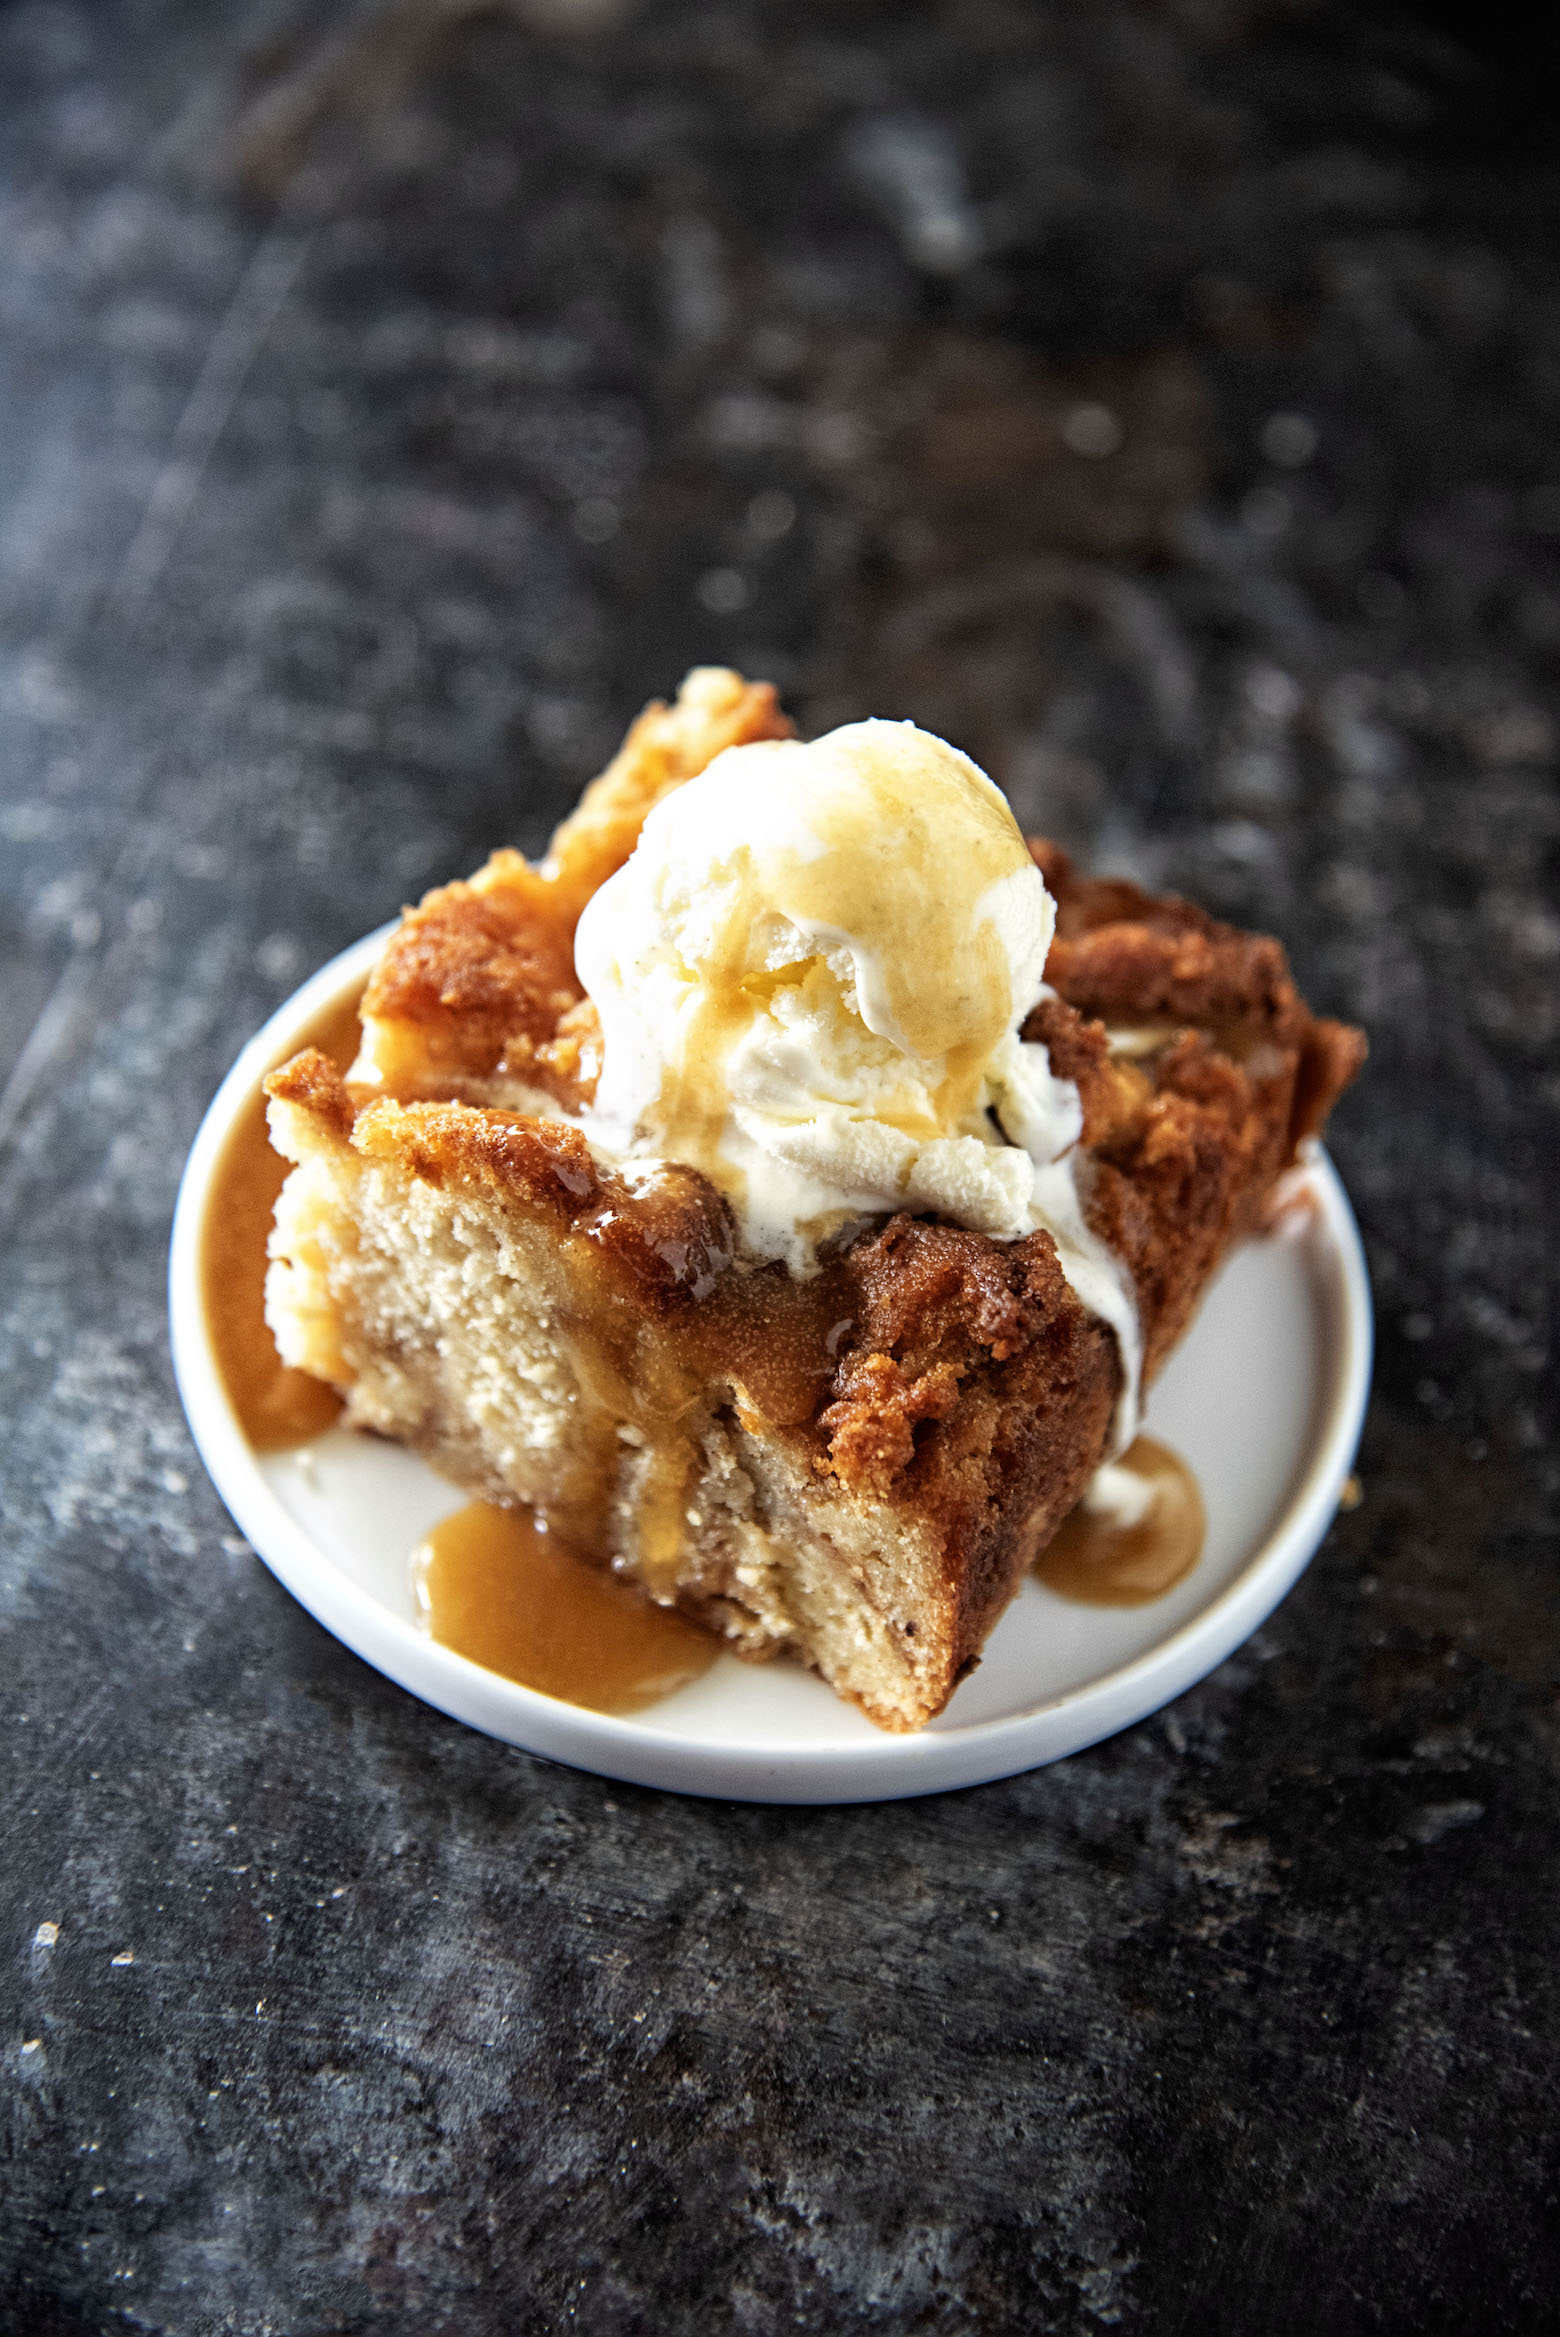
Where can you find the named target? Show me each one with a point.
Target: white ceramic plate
(1264, 1398)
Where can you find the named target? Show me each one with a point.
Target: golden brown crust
(1189, 1136)
(478, 970)
(478, 981)
(713, 710)
(314, 1084)
(1127, 955)
(960, 1346)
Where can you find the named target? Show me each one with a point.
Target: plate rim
(887, 1768)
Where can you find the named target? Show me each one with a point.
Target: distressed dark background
(1162, 401)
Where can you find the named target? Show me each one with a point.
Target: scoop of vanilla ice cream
(805, 974)
(811, 974)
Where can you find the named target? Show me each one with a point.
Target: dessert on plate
(786, 1189)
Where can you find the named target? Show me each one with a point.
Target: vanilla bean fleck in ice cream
(811, 976)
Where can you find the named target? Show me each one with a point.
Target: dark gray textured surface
(338, 535)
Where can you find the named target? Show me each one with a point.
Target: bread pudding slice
(855, 1466)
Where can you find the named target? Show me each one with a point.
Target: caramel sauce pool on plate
(496, 1587)
(276, 1408)
(1093, 1559)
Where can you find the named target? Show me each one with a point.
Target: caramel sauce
(1102, 1562)
(628, 1379)
(276, 1408)
(496, 1587)
(654, 1325)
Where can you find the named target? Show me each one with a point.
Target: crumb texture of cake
(854, 1465)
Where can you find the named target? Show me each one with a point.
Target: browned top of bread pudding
(855, 1459)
